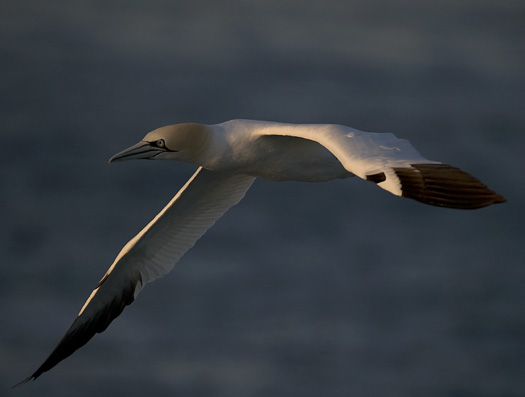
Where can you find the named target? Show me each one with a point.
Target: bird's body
(249, 147)
(230, 156)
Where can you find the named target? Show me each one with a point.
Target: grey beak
(142, 150)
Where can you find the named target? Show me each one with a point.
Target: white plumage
(229, 157)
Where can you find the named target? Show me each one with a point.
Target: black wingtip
(28, 379)
(445, 186)
(84, 328)
(33, 377)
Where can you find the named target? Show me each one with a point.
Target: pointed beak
(142, 150)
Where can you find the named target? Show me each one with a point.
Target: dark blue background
(331, 289)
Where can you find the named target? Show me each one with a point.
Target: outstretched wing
(394, 165)
(151, 254)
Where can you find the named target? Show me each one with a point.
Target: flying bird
(230, 156)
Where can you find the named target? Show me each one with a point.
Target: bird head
(171, 142)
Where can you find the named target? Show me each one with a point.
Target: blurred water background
(332, 289)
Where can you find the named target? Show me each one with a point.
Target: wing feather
(394, 165)
(151, 254)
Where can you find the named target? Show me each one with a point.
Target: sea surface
(327, 289)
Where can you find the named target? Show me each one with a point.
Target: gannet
(230, 156)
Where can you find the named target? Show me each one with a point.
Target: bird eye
(160, 143)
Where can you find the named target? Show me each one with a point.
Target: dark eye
(160, 143)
